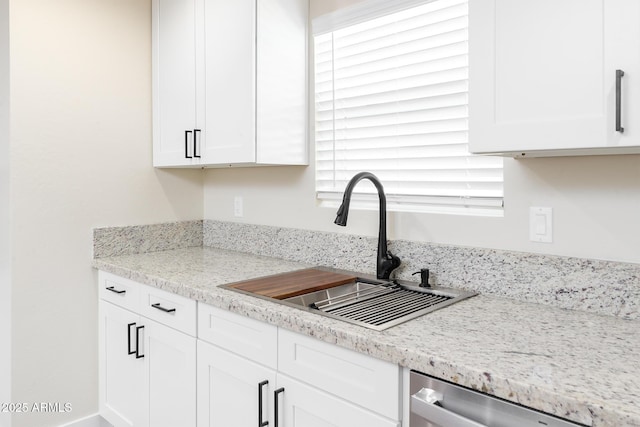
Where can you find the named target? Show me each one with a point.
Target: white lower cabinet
(169, 376)
(147, 368)
(312, 384)
(305, 406)
(232, 390)
(353, 377)
(238, 372)
(120, 372)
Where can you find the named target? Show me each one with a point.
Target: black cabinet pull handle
(138, 354)
(275, 405)
(113, 289)
(186, 144)
(260, 422)
(195, 143)
(159, 307)
(619, 75)
(129, 351)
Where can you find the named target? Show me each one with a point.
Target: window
(391, 91)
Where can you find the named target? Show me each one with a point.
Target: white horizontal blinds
(391, 98)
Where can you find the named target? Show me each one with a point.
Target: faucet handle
(387, 264)
(395, 261)
(424, 277)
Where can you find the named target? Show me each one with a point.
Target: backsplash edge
(128, 240)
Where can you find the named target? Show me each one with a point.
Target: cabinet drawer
(119, 291)
(363, 380)
(169, 309)
(246, 337)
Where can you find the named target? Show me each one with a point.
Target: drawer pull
(260, 422)
(275, 405)
(129, 351)
(166, 310)
(114, 290)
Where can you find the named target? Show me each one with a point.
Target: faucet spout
(386, 261)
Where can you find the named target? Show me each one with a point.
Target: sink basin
(377, 304)
(358, 299)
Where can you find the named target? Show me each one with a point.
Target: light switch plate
(541, 224)
(238, 208)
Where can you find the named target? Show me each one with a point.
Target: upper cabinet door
(230, 67)
(175, 122)
(543, 76)
(281, 108)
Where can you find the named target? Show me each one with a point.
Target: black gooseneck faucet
(387, 262)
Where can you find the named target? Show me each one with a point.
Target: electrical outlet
(238, 208)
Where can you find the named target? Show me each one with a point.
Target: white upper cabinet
(230, 40)
(230, 82)
(543, 77)
(177, 114)
(281, 106)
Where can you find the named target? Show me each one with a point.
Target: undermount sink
(377, 304)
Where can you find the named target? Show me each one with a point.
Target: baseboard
(90, 421)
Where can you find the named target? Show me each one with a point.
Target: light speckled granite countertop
(576, 365)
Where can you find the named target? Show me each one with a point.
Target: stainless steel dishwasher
(436, 403)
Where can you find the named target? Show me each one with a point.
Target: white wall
(595, 201)
(80, 158)
(5, 254)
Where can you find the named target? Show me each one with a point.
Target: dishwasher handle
(426, 404)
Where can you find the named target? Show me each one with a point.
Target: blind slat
(409, 64)
(390, 87)
(325, 101)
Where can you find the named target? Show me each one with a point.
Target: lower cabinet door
(121, 401)
(301, 405)
(232, 391)
(169, 376)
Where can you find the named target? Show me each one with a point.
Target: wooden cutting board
(285, 285)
